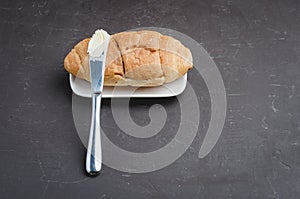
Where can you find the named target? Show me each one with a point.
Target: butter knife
(94, 152)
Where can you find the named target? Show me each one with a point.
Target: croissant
(142, 58)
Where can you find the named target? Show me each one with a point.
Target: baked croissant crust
(142, 58)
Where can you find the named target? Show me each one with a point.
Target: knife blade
(97, 69)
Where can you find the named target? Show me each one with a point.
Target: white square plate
(83, 88)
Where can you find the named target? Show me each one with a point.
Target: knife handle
(94, 153)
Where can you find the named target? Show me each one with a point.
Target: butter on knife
(98, 43)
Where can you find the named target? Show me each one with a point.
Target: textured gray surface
(255, 44)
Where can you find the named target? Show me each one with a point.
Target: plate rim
(169, 94)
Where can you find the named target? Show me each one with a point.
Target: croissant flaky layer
(142, 58)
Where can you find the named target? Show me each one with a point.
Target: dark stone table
(256, 46)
